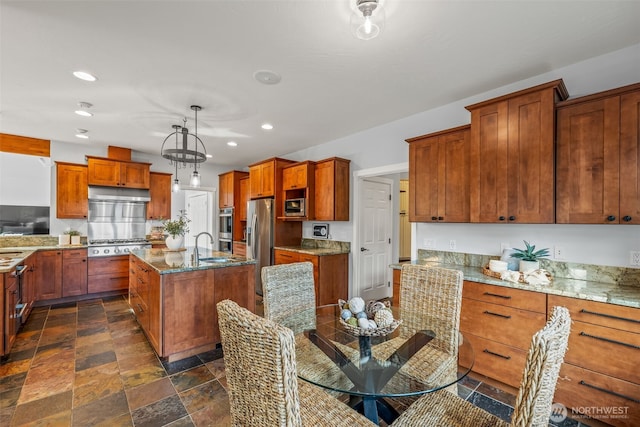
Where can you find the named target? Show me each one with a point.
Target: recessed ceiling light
(82, 111)
(83, 75)
(267, 77)
(267, 126)
(208, 156)
(232, 144)
(82, 133)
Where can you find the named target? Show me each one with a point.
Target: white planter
(64, 239)
(174, 244)
(527, 266)
(75, 240)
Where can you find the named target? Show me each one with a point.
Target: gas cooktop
(103, 242)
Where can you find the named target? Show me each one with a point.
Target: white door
(375, 239)
(199, 212)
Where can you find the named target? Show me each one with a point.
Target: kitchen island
(174, 297)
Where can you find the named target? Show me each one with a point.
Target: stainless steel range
(116, 223)
(111, 247)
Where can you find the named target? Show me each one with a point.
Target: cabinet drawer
(495, 360)
(74, 254)
(107, 282)
(500, 323)
(605, 350)
(109, 265)
(599, 313)
(585, 390)
(285, 257)
(525, 300)
(313, 259)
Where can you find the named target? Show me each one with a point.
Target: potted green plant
(529, 257)
(74, 237)
(176, 229)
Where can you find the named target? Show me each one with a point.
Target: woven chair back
(260, 366)
(548, 346)
(431, 298)
(289, 295)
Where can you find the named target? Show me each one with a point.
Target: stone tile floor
(89, 364)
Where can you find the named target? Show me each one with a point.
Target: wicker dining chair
(260, 365)
(430, 298)
(535, 395)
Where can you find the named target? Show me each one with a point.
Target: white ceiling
(154, 59)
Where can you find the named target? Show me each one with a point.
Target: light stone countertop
(620, 294)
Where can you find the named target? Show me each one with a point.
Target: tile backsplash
(569, 270)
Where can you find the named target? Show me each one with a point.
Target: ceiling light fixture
(367, 20)
(232, 144)
(82, 133)
(82, 111)
(182, 155)
(267, 77)
(267, 126)
(83, 75)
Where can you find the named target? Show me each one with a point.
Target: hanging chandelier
(188, 150)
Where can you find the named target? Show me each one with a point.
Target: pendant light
(189, 150)
(367, 21)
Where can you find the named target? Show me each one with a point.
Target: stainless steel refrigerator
(260, 230)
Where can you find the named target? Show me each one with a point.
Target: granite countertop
(166, 262)
(26, 251)
(313, 251)
(620, 294)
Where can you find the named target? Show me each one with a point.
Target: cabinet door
(48, 275)
(530, 167)
(134, 175)
(294, 177)
(74, 272)
(244, 198)
(225, 182)
(255, 181)
(630, 158)
(285, 257)
(104, 172)
(160, 193)
(587, 166)
(423, 175)
(154, 307)
(71, 191)
(10, 290)
(488, 168)
(332, 190)
(268, 177)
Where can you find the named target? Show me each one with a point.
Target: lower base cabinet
(108, 274)
(330, 273)
(48, 274)
(74, 272)
(177, 311)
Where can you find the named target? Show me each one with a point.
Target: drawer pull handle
(496, 354)
(504, 316)
(584, 334)
(604, 390)
(497, 295)
(610, 316)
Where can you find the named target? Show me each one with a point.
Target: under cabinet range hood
(119, 194)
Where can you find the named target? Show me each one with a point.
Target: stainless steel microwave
(294, 207)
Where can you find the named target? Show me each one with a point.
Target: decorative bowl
(367, 332)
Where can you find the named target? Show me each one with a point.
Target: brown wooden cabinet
(598, 158)
(244, 198)
(439, 176)
(298, 182)
(48, 274)
(71, 190)
(144, 299)
(74, 272)
(332, 190)
(262, 180)
(600, 367)
(330, 273)
(396, 287)
(232, 196)
(108, 274)
(9, 294)
(239, 249)
(512, 156)
(117, 173)
(159, 207)
(499, 322)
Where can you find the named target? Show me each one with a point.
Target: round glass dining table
(369, 369)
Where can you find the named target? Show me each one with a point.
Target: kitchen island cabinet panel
(231, 283)
(108, 274)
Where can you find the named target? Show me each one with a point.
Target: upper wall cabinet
(229, 192)
(439, 176)
(512, 156)
(598, 159)
(332, 189)
(71, 190)
(160, 193)
(298, 182)
(118, 173)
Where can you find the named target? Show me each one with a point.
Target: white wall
(385, 145)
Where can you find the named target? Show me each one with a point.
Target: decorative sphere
(356, 305)
(372, 324)
(361, 315)
(345, 314)
(352, 321)
(383, 318)
(364, 323)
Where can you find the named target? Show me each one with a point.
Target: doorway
(364, 268)
(199, 209)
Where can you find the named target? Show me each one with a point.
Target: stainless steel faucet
(196, 252)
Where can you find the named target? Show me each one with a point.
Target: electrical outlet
(558, 252)
(429, 244)
(452, 244)
(634, 258)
